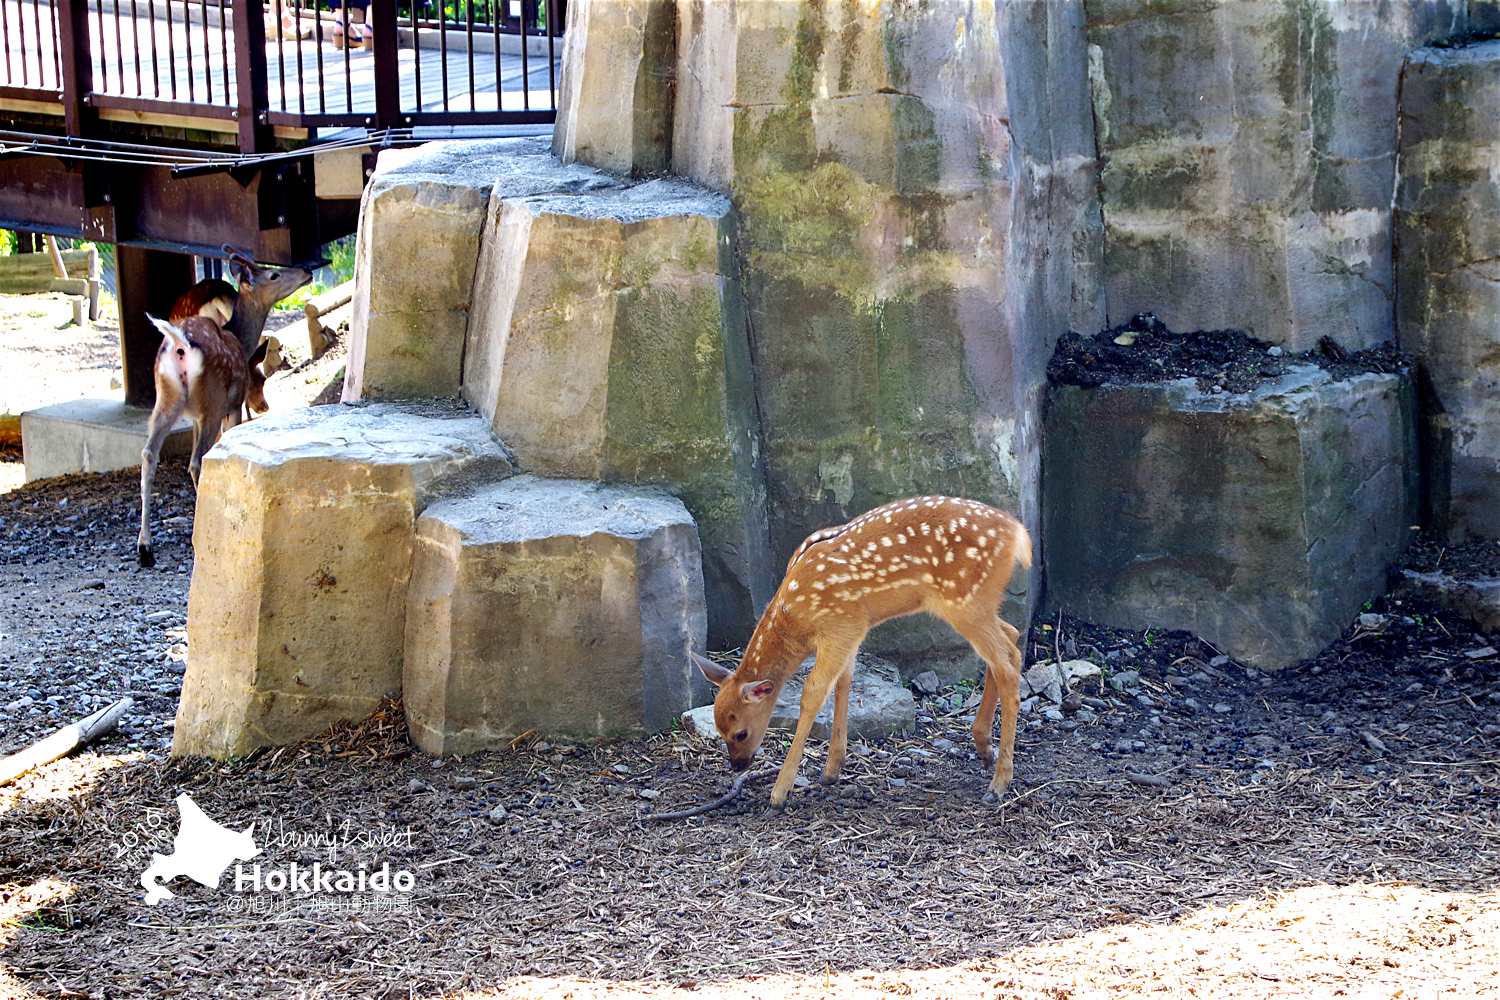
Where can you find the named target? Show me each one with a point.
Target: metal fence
(287, 62)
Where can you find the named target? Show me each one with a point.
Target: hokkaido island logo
(202, 850)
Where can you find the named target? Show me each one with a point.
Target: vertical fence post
(250, 75)
(382, 17)
(77, 64)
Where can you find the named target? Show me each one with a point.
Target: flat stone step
(558, 607)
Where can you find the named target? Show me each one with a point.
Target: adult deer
(200, 370)
(950, 557)
(242, 311)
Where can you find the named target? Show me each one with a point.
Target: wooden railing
(256, 66)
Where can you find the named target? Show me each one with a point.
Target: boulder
(608, 342)
(1260, 521)
(552, 606)
(615, 103)
(1248, 160)
(1448, 312)
(302, 550)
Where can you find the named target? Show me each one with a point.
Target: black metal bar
(171, 51)
(442, 51)
(387, 64)
(346, 24)
(318, 49)
(5, 36)
(57, 43)
(470, 22)
(135, 47)
(276, 9)
(552, 6)
(525, 71)
(119, 48)
(224, 51)
(103, 59)
(416, 62)
(77, 73)
(251, 83)
(297, 41)
(155, 58)
(495, 27)
(208, 61)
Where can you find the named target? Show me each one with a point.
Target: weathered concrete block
(561, 607)
(913, 243)
(615, 106)
(1261, 521)
(91, 435)
(302, 553)
(1448, 312)
(1477, 599)
(1248, 152)
(608, 342)
(420, 226)
(878, 706)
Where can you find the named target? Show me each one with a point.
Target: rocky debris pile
(1145, 350)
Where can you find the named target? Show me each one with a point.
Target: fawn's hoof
(145, 556)
(990, 796)
(828, 779)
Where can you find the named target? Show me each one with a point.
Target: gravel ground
(1187, 827)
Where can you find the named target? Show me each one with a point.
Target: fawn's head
(742, 710)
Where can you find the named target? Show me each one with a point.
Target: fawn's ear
(753, 691)
(710, 669)
(259, 353)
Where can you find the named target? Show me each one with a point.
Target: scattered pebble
(465, 783)
(498, 815)
(926, 683)
(414, 786)
(1223, 709)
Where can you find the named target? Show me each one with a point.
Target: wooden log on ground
(63, 742)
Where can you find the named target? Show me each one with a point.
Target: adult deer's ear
(754, 691)
(710, 669)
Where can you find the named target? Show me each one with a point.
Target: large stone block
(302, 553)
(615, 106)
(1448, 312)
(552, 606)
(1248, 149)
(913, 243)
(420, 227)
(1260, 521)
(608, 342)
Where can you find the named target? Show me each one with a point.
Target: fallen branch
(724, 800)
(1150, 780)
(63, 742)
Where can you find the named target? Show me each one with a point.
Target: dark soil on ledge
(1470, 561)
(1145, 350)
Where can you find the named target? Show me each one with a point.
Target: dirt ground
(1204, 830)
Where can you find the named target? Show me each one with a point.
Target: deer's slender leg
(838, 744)
(163, 419)
(835, 658)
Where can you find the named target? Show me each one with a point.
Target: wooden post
(77, 65)
(382, 18)
(250, 76)
(147, 281)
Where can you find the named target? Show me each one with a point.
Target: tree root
(724, 800)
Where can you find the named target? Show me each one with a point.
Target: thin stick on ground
(723, 800)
